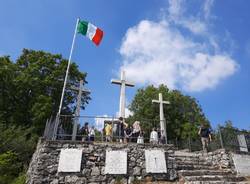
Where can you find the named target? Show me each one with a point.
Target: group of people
(122, 132)
(88, 133)
(157, 136)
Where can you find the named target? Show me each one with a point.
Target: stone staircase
(195, 168)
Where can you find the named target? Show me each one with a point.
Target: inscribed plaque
(242, 164)
(155, 161)
(242, 142)
(116, 162)
(70, 160)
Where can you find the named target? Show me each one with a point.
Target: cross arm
(77, 89)
(86, 90)
(114, 81)
(155, 101)
(164, 102)
(130, 84)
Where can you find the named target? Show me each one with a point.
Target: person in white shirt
(92, 134)
(154, 136)
(140, 138)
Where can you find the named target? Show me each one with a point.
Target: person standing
(140, 138)
(128, 134)
(121, 127)
(92, 134)
(154, 136)
(205, 134)
(136, 131)
(108, 131)
(85, 132)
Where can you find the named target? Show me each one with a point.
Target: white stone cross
(123, 84)
(162, 119)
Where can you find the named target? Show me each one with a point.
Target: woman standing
(136, 131)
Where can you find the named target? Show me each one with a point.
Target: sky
(200, 47)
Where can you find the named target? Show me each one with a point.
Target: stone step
(227, 178)
(193, 163)
(204, 172)
(195, 167)
(216, 182)
(186, 156)
(190, 158)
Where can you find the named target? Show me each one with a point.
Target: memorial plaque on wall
(116, 162)
(155, 161)
(242, 164)
(242, 142)
(70, 160)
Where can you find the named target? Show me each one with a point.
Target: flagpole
(67, 71)
(65, 82)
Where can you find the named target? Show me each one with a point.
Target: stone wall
(219, 158)
(44, 164)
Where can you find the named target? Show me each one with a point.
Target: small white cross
(162, 119)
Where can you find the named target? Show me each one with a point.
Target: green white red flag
(91, 31)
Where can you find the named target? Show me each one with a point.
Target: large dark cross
(80, 90)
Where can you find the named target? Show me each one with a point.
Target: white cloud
(207, 8)
(177, 15)
(127, 113)
(99, 121)
(175, 8)
(157, 52)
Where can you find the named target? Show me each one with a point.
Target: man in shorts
(205, 134)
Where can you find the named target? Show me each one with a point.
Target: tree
(183, 116)
(8, 72)
(32, 88)
(30, 91)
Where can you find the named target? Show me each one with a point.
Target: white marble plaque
(70, 160)
(116, 162)
(242, 164)
(155, 161)
(242, 142)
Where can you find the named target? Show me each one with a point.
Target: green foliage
(20, 179)
(31, 88)
(19, 140)
(30, 91)
(9, 167)
(183, 116)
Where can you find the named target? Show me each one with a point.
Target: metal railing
(72, 128)
(235, 140)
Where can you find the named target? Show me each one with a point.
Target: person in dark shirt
(121, 127)
(85, 132)
(127, 134)
(205, 134)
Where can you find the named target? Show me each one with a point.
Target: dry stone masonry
(72, 162)
(214, 167)
(99, 163)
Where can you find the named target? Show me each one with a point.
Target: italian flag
(91, 31)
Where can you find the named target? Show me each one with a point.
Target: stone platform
(98, 165)
(68, 162)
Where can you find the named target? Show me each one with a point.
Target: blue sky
(199, 47)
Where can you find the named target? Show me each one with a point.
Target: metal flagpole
(67, 71)
(65, 82)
